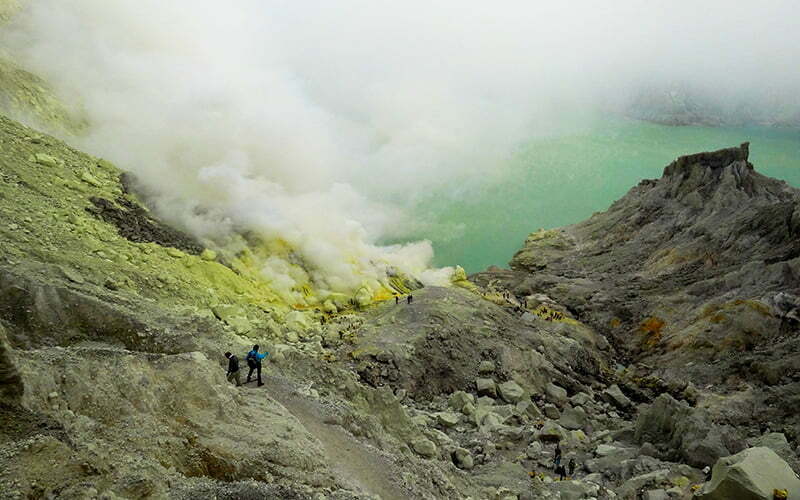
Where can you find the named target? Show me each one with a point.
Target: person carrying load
(254, 362)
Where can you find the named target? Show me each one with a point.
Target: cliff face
(694, 277)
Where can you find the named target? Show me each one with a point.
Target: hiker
(233, 369)
(572, 466)
(557, 459)
(707, 472)
(396, 299)
(562, 473)
(410, 298)
(254, 362)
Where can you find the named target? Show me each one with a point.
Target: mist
(321, 123)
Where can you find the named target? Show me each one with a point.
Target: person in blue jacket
(254, 362)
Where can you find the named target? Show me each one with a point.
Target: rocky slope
(694, 279)
(649, 341)
(113, 381)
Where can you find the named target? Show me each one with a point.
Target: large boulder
(659, 494)
(752, 474)
(486, 387)
(459, 399)
(462, 458)
(575, 490)
(527, 410)
(555, 394)
(687, 433)
(447, 419)
(552, 432)
(615, 396)
(573, 418)
(511, 392)
(778, 443)
(486, 367)
(424, 447)
(551, 412)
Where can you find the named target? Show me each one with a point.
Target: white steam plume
(317, 122)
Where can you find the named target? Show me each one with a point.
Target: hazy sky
(321, 121)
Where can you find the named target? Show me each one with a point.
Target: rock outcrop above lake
(694, 278)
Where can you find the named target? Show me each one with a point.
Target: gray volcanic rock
(689, 276)
(688, 431)
(752, 474)
(449, 330)
(615, 396)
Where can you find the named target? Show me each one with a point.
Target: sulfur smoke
(318, 123)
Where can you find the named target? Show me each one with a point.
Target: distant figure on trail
(571, 466)
(396, 299)
(410, 298)
(233, 369)
(707, 472)
(557, 458)
(254, 362)
(562, 473)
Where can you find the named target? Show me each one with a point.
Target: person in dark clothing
(396, 299)
(571, 466)
(410, 298)
(557, 458)
(254, 362)
(233, 369)
(562, 472)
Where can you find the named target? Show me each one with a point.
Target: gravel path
(357, 464)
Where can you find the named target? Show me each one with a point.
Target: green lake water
(562, 180)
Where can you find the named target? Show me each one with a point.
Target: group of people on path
(409, 299)
(562, 471)
(253, 359)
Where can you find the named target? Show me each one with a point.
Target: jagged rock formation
(694, 279)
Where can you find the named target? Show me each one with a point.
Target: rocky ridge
(693, 278)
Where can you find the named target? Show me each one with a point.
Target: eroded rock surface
(691, 277)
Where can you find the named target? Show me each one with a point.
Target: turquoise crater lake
(563, 179)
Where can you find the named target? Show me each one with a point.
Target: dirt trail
(357, 464)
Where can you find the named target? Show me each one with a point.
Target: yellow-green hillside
(55, 204)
